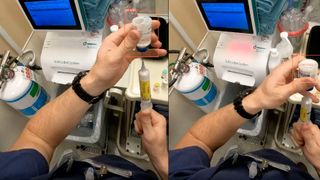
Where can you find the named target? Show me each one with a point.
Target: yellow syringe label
(304, 114)
(145, 90)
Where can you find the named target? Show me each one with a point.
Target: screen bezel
(248, 16)
(78, 25)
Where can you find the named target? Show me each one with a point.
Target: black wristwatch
(239, 107)
(76, 86)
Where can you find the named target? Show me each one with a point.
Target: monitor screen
(52, 14)
(224, 15)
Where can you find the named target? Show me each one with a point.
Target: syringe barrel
(305, 111)
(144, 78)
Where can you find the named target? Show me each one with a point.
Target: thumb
(145, 120)
(129, 43)
(298, 85)
(307, 133)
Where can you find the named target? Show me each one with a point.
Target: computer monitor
(53, 14)
(228, 15)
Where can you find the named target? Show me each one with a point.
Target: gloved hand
(151, 126)
(307, 136)
(279, 86)
(114, 57)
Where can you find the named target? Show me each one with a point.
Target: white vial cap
(142, 22)
(114, 28)
(284, 35)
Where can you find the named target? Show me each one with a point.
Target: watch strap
(240, 109)
(82, 94)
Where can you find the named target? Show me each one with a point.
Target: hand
(278, 87)
(307, 136)
(114, 57)
(151, 126)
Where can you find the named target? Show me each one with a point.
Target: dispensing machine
(240, 55)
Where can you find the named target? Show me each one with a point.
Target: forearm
(160, 163)
(215, 129)
(53, 122)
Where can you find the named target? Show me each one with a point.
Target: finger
(287, 67)
(298, 85)
(318, 85)
(161, 52)
(154, 38)
(157, 44)
(145, 120)
(312, 96)
(306, 132)
(129, 43)
(137, 128)
(315, 131)
(309, 136)
(297, 139)
(118, 37)
(158, 118)
(155, 24)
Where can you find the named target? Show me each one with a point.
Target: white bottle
(285, 47)
(144, 25)
(305, 111)
(308, 68)
(274, 59)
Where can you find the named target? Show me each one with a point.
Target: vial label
(145, 90)
(307, 74)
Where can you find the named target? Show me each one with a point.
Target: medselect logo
(89, 44)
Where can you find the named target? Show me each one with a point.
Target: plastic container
(196, 86)
(295, 37)
(274, 60)
(23, 93)
(143, 25)
(308, 68)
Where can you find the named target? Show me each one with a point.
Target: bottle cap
(114, 28)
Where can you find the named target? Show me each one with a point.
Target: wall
(14, 22)
(162, 6)
(186, 13)
(5, 46)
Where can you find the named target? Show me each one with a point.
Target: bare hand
(279, 86)
(114, 57)
(152, 128)
(307, 136)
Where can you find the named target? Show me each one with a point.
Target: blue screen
(51, 13)
(226, 15)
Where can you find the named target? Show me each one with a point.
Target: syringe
(305, 111)
(145, 92)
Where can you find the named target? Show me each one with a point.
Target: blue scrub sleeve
(185, 162)
(22, 164)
